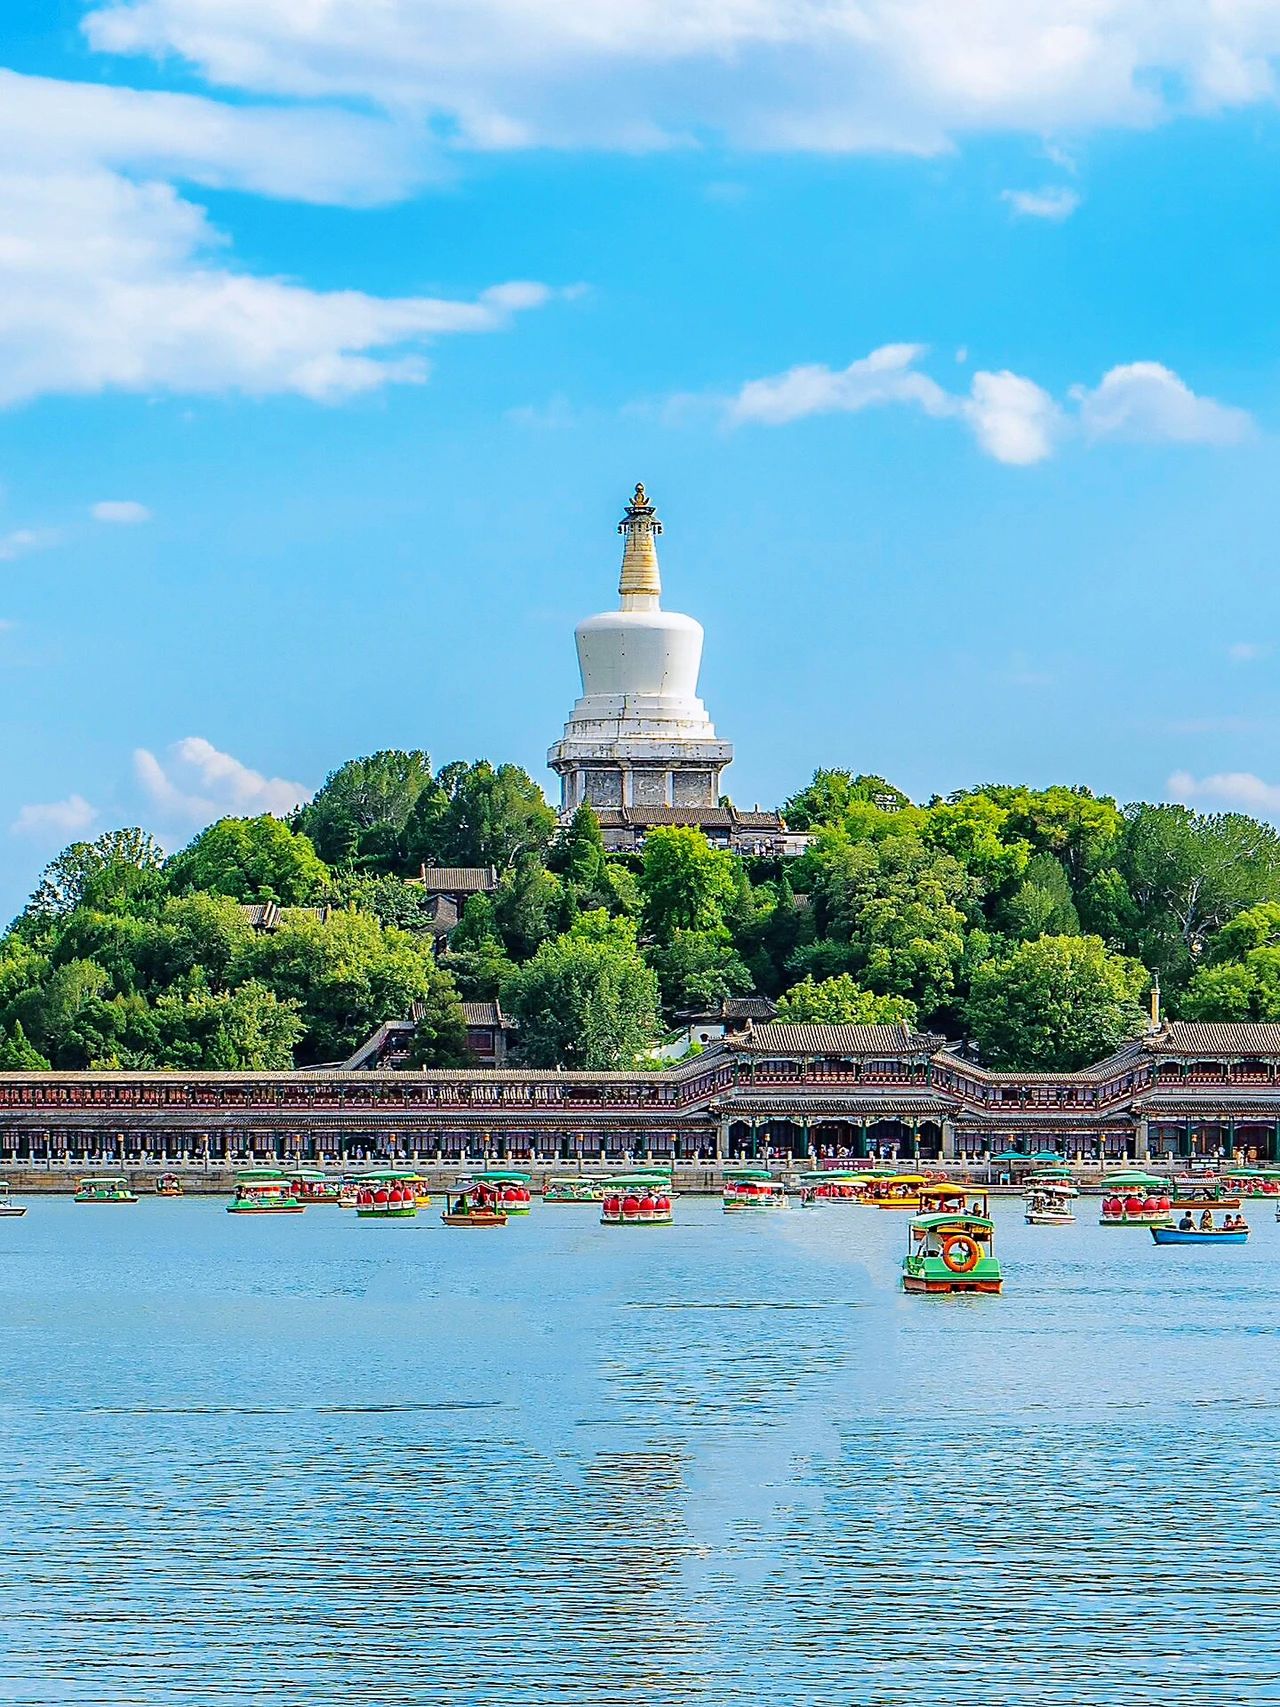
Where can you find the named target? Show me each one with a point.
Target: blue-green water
(306, 1460)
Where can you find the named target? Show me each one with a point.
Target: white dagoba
(639, 735)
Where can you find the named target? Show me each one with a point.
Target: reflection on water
(313, 1461)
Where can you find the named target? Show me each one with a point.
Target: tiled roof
(267, 916)
(788, 1038)
(748, 1007)
(696, 817)
(444, 914)
(867, 1108)
(458, 879)
(484, 1014)
(1212, 1037)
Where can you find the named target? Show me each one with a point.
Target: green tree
(685, 883)
(529, 905)
(67, 1015)
(1055, 1004)
(975, 831)
(248, 1029)
(892, 912)
(489, 817)
(1189, 874)
(1042, 904)
(347, 974)
(586, 999)
(17, 1055)
(842, 1001)
(827, 799)
(579, 857)
(118, 871)
(250, 859)
(361, 814)
(1075, 826)
(698, 968)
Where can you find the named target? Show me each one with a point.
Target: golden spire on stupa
(640, 526)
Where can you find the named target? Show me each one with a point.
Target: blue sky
(946, 345)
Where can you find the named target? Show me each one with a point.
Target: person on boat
(1206, 1221)
(1186, 1225)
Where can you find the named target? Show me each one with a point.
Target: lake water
(308, 1460)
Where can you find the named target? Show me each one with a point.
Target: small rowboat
(1216, 1236)
(476, 1218)
(7, 1205)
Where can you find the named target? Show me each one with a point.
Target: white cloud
(125, 512)
(1054, 201)
(55, 817)
(22, 541)
(108, 284)
(110, 279)
(1013, 419)
(314, 154)
(1247, 651)
(198, 783)
(1235, 790)
(818, 74)
(887, 375)
(1145, 400)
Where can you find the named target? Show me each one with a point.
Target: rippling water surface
(305, 1460)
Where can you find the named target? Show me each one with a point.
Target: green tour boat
(264, 1191)
(108, 1188)
(950, 1250)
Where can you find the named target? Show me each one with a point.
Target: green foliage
(827, 799)
(119, 871)
(348, 974)
(586, 999)
(482, 816)
(685, 884)
(17, 1055)
(698, 968)
(1055, 1004)
(362, 813)
(1242, 980)
(248, 1029)
(893, 913)
(250, 859)
(843, 1001)
(1075, 826)
(579, 857)
(1042, 904)
(1190, 873)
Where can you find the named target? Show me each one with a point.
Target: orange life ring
(969, 1244)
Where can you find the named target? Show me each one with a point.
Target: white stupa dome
(639, 735)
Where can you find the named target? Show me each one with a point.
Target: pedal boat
(510, 1191)
(314, 1185)
(388, 1195)
(265, 1191)
(636, 1202)
(1203, 1191)
(7, 1205)
(830, 1185)
(462, 1208)
(752, 1189)
(168, 1185)
(1135, 1200)
(110, 1188)
(898, 1191)
(950, 1251)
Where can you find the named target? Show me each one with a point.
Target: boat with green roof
(951, 1250)
(105, 1188)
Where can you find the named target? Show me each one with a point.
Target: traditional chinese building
(801, 1091)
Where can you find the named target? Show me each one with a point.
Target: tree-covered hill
(1030, 921)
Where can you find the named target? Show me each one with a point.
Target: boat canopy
(950, 1218)
(1114, 1181)
(837, 1176)
(639, 1179)
(504, 1176)
(104, 1179)
(905, 1179)
(387, 1176)
(259, 1176)
(951, 1190)
(308, 1174)
(748, 1173)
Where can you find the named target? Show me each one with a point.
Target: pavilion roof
(1214, 1038)
(786, 1037)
